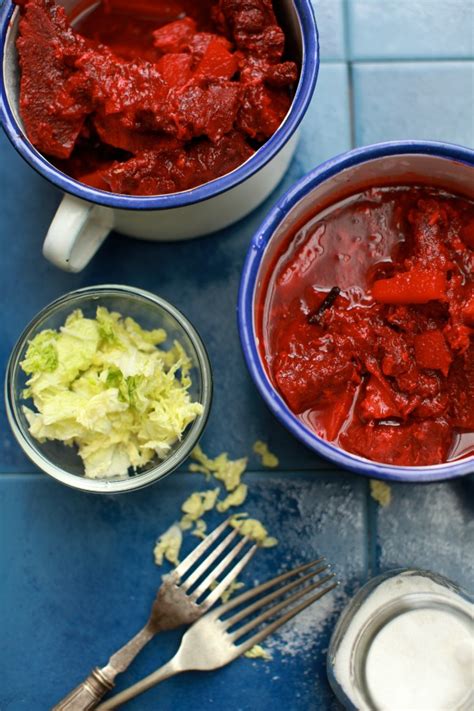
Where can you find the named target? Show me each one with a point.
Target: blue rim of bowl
(245, 313)
(161, 468)
(303, 95)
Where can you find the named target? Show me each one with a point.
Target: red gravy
(366, 325)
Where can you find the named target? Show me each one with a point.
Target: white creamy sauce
(417, 662)
(421, 660)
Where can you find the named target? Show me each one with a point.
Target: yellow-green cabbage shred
(104, 386)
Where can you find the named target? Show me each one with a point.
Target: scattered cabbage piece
(196, 505)
(202, 470)
(235, 498)
(221, 468)
(268, 459)
(254, 529)
(258, 652)
(229, 591)
(206, 463)
(103, 385)
(380, 492)
(168, 546)
(200, 528)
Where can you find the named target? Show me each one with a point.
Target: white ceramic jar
(405, 643)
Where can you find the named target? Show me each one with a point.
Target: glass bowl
(150, 311)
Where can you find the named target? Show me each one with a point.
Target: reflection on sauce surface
(384, 366)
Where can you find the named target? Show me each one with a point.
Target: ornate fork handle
(89, 693)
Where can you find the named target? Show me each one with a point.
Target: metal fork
(178, 602)
(211, 642)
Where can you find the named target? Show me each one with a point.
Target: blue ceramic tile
(326, 128)
(418, 100)
(409, 29)
(331, 26)
(429, 527)
(79, 579)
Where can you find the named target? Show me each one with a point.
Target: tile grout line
(400, 60)
(348, 50)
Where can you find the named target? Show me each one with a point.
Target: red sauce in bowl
(367, 325)
(154, 96)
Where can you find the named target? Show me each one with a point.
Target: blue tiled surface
(326, 129)
(409, 29)
(331, 25)
(78, 617)
(427, 100)
(77, 571)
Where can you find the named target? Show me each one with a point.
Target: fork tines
(303, 577)
(196, 581)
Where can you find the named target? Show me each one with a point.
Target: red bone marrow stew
(154, 96)
(367, 325)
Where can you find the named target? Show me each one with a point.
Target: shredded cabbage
(196, 506)
(254, 529)
(268, 458)
(104, 386)
(235, 498)
(258, 652)
(168, 546)
(221, 468)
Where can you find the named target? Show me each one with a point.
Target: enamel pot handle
(76, 233)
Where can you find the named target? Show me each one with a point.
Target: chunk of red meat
(203, 108)
(217, 62)
(311, 375)
(332, 417)
(253, 26)
(434, 406)
(172, 169)
(258, 71)
(134, 90)
(209, 160)
(53, 114)
(395, 350)
(97, 178)
(378, 402)
(432, 352)
(414, 444)
(175, 69)
(281, 75)
(111, 131)
(175, 36)
(461, 390)
(250, 15)
(262, 111)
(148, 173)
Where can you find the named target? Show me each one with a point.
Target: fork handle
(169, 669)
(88, 694)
